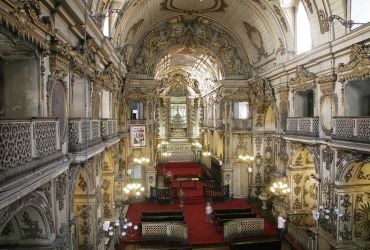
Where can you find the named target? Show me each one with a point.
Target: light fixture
(141, 160)
(206, 153)
(279, 189)
(133, 190)
(246, 158)
(343, 21)
(166, 154)
(196, 145)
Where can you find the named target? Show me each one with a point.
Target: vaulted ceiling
(260, 32)
(260, 26)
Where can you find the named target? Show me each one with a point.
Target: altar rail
(23, 141)
(83, 132)
(216, 193)
(306, 126)
(163, 195)
(168, 231)
(351, 129)
(239, 228)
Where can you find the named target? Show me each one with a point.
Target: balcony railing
(138, 122)
(83, 133)
(108, 128)
(351, 129)
(307, 126)
(300, 236)
(242, 124)
(24, 141)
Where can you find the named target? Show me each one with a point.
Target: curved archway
(191, 31)
(28, 226)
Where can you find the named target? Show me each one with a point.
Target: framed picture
(138, 138)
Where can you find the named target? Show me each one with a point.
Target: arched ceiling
(259, 25)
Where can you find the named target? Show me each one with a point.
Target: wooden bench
(253, 243)
(179, 218)
(220, 220)
(232, 210)
(162, 213)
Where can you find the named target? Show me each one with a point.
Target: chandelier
(206, 153)
(133, 190)
(166, 154)
(246, 158)
(141, 160)
(279, 188)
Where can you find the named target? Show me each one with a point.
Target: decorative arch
(349, 165)
(41, 206)
(191, 31)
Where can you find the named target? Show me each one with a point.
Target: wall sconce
(342, 21)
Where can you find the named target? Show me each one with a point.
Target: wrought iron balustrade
(306, 126)
(24, 141)
(108, 128)
(83, 133)
(138, 122)
(300, 235)
(242, 124)
(351, 129)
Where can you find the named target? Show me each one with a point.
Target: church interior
(120, 120)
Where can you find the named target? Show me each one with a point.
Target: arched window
(303, 30)
(359, 12)
(106, 25)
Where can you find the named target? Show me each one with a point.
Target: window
(358, 98)
(136, 110)
(360, 10)
(106, 26)
(241, 110)
(106, 104)
(303, 30)
(304, 104)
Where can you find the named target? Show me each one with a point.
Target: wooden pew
(256, 243)
(234, 215)
(220, 220)
(162, 213)
(162, 218)
(232, 210)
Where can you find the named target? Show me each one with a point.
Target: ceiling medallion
(211, 6)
